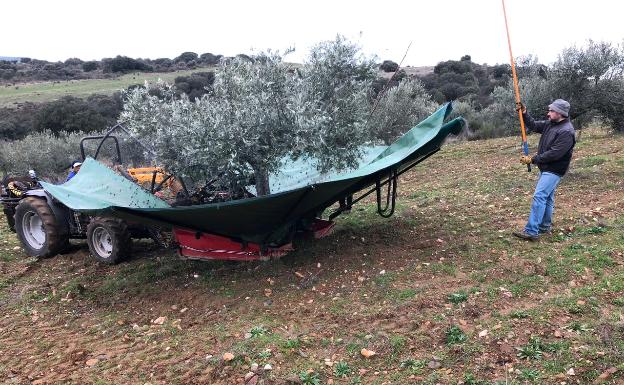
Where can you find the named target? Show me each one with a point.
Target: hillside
(11, 95)
(441, 292)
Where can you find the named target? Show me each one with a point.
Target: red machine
(196, 245)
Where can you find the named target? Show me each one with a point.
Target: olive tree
(260, 111)
(500, 118)
(334, 100)
(589, 78)
(181, 133)
(399, 108)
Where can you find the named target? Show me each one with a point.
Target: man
(75, 167)
(553, 158)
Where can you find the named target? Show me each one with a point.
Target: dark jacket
(554, 152)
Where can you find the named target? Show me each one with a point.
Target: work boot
(526, 236)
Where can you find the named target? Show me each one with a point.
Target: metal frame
(392, 182)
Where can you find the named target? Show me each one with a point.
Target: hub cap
(34, 233)
(102, 242)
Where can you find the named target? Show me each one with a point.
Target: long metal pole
(525, 144)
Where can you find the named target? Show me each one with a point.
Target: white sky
(439, 30)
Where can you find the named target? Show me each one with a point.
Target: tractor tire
(10, 217)
(109, 240)
(38, 229)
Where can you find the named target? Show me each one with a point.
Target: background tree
(195, 85)
(74, 61)
(465, 80)
(589, 78)
(209, 58)
(90, 66)
(162, 64)
(186, 57)
(51, 154)
(399, 108)
(17, 123)
(71, 114)
(124, 64)
(388, 66)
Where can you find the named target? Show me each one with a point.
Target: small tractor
(44, 225)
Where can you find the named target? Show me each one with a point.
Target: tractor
(44, 225)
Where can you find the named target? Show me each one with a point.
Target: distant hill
(47, 91)
(418, 71)
(10, 58)
(410, 71)
(16, 70)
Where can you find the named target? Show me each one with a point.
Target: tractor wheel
(38, 229)
(109, 240)
(10, 217)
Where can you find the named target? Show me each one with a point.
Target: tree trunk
(262, 181)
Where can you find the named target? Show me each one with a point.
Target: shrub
(389, 66)
(162, 64)
(71, 114)
(472, 118)
(400, 109)
(186, 57)
(7, 74)
(399, 75)
(195, 85)
(123, 64)
(90, 66)
(210, 59)
(50, 154)
(465, 80)
(242, 56)
(17, 123)
(73, 62)
(382, 85)
(54, 71)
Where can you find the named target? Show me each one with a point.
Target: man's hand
(526, 159)
(521, 107)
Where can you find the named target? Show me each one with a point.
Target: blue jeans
(543, 205)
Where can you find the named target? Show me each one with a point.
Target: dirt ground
(438, 294)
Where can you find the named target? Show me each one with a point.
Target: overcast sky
(439, 30)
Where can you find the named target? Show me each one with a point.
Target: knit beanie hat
(560, 106)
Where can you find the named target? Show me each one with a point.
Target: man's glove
(521, 107)
(526, 159)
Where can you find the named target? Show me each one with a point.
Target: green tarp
(299, 191)
(96, 187)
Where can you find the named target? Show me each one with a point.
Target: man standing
(553, 158)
